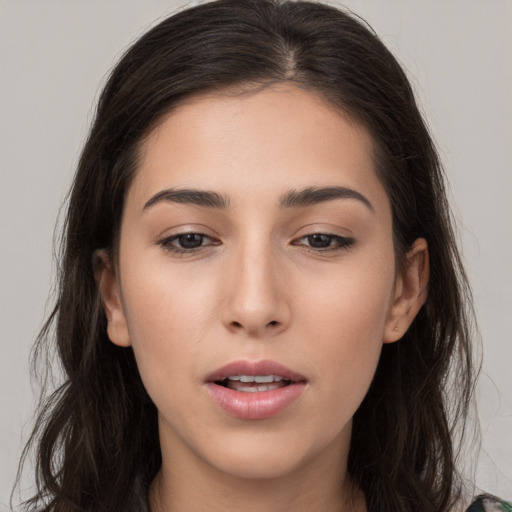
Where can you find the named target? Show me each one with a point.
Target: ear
(106, 280)
(411, 288)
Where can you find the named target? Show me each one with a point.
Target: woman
(260, 296)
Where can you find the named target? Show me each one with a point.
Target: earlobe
(410, 294)
(106, 280)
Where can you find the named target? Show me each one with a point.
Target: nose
(257, 302)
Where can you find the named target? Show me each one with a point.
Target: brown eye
(190, 240)
(324, 242)
(187, 242)
(320, 241)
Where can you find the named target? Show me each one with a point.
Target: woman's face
(256, 241)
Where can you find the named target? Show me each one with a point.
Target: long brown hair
(96, 437)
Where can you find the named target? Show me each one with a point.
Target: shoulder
(489, 504)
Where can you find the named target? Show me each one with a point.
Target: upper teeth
(256, 378)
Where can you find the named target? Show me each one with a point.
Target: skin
(257, 289)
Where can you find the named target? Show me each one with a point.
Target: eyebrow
(312, 195)
(292, 199)
(203, 198)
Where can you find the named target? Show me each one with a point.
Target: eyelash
(341, 242)
(167, 243)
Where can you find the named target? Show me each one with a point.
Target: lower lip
(255, 406)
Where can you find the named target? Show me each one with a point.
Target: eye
(187, 242)
(325, 242)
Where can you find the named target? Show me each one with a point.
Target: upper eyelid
(206, 232)
(325, 226)
(184, 230)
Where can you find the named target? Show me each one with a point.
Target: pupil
(191, 240)
(320, 241)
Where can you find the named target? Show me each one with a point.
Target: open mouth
(255, 390)
(254, 383)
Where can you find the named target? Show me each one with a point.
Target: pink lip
(259, 405)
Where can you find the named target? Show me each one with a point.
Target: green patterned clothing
(490, 504)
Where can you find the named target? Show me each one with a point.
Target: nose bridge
(257, 302)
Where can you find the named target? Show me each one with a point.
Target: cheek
(349, 301)
(167, 300)
(344, 318)
(168, 316)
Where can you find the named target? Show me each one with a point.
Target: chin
(259, 458)
(258, 468)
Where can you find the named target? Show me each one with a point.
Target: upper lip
(245, 367)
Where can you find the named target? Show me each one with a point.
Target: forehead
(277, 138)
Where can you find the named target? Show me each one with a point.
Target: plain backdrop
(54, 54)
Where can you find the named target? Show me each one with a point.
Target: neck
(253, 496)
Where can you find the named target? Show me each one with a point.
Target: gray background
(54, 54)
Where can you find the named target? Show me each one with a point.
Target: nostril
(237, 324)
(273, 323)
